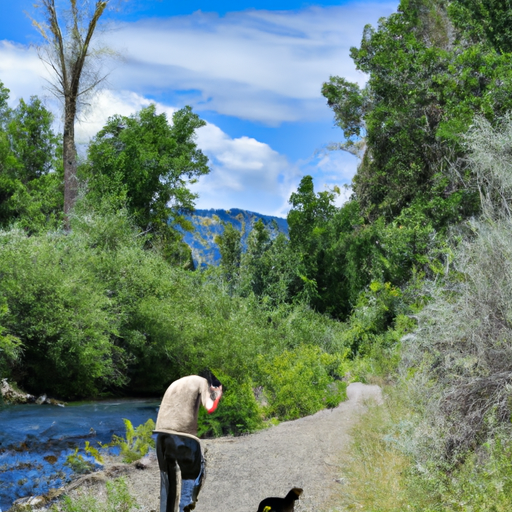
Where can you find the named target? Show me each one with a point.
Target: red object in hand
(215, 403)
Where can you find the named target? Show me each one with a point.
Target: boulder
(41, 400)
(27, 504)
(14, 396)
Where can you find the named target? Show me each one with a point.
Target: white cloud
(250, 175)
(242, 168)
(21, 71)
(104, 105)
(259, 65)
(265, 66)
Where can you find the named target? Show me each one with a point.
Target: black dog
(281, 504)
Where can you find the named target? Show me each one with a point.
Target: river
(35, 441)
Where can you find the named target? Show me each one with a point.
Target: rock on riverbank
(12, 395)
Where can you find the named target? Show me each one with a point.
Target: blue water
(36, 439)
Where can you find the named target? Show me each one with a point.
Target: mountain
(210, 223)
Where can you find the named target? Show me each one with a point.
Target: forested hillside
(407, 284)
(207, 225)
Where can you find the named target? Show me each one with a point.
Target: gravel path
(241, 471)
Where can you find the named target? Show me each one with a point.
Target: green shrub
(77, 463)
(296, 325)
(237, 412)
(298, 382)
(371, 322)
(61, 314)
(137, 442)
(10, 346)
(484, 482)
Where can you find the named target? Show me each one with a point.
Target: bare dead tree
(76, 67)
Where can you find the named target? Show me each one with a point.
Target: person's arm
(213, 399)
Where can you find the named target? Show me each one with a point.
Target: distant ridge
(210, 223)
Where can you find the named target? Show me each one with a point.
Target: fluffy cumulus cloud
(245, 169)
(21, 71)
(265, 66)
(106, 104)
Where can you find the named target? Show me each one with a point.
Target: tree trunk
(69, 157)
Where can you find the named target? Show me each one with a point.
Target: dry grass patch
(373, 473)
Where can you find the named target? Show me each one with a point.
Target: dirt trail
(244, 470)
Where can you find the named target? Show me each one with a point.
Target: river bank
(36, 440)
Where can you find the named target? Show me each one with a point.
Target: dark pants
(181, 472)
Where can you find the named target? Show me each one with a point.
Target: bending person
(178, 449)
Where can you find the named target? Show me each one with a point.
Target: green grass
(118, 499)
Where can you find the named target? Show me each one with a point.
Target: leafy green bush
(137, 442)
(60, 313)
(458, 362)
(298, 382)
(372, 319)
(10, 346)
(484, 482)
(237, 413)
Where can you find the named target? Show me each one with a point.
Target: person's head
(213, 382)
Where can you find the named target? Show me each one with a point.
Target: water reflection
(36, 439)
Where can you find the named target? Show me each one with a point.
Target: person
(178, 449)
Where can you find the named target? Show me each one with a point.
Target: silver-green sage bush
(458, 364)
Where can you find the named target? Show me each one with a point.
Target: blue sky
(253, 69)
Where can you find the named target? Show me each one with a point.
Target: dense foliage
(426, 82)
(31, 190)
(461, 352)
